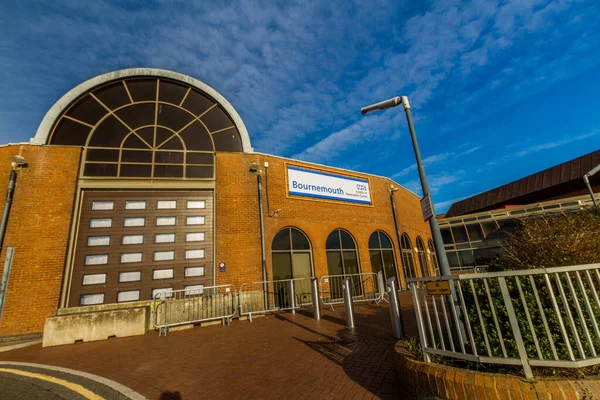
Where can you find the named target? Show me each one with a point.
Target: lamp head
(254, 167)
(382, 105)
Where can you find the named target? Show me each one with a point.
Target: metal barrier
(280, 295)
(532, 318)
(365, 287)
(188, 306)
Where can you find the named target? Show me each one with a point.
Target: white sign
(304, 182)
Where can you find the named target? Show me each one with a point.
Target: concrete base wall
(95, 325)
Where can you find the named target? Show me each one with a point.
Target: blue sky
(499, 89)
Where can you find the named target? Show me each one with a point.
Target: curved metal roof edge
(43, 131)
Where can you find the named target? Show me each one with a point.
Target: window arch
(433, 257)
(292, 258)
(381, 252)
(422, 257)
(407, 257)
(342, 259)
(147, 127)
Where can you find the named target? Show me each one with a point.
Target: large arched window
(433, 258)
(292, 258)
(407, 257)
(147, 127)
(342, 259)
(422, 257)
(381, 252)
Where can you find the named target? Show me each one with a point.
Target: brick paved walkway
(278, 356)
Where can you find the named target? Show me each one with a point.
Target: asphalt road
(39, 382)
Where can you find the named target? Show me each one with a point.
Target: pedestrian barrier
(365, 287)
(279, 295)
(531, 318)
(188, 306)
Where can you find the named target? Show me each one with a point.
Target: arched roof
(75, 96)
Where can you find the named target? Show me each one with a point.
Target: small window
(197, 220)
(191, 254)
(131, 257)
(135, 204)
(166, 204)
(94, 279)
(102, 205)
(96, 259)
(164, 238)
(130, 295)
(162, 292)
(133, 239)
(460, 234)
(194, 290)
(194, 271)
(134, 221)
(132, 276)
(194, 237)
(162, 274)
(98, 241)
(165, 221)
(91, 299)
(100, 222)
(164, 255)
(196, 204)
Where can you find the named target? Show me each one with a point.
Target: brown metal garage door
(131, 244)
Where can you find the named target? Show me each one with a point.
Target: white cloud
(436, 181)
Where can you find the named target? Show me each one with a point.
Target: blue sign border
(329, 197)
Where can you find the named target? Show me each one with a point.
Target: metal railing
(189, 306)
(365, 287)
(532, 318)
(268, 296)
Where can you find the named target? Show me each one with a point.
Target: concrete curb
(19, 345)
(124, 390)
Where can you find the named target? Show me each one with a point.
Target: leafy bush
(552, 241)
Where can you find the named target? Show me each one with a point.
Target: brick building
(141, 181)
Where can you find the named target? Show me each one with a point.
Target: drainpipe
(586, 179)
(18, 162)
(255, 168)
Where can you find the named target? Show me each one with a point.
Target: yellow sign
(438, 288)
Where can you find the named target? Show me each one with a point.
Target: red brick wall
(237, 218)
(38, 228)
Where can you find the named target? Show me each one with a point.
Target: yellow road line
(88, 394)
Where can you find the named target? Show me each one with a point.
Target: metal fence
(269, 296)
(365, 287)
(188, 306)
(532, 318)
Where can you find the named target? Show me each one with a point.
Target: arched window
(147, 127)
(381, 252)
(342, 259)
(407, 257)
(422, 257)
(433, 258)
(292, 258)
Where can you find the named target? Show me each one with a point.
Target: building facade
(142, 181)
(473, 229)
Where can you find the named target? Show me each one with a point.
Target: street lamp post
(433, 222)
